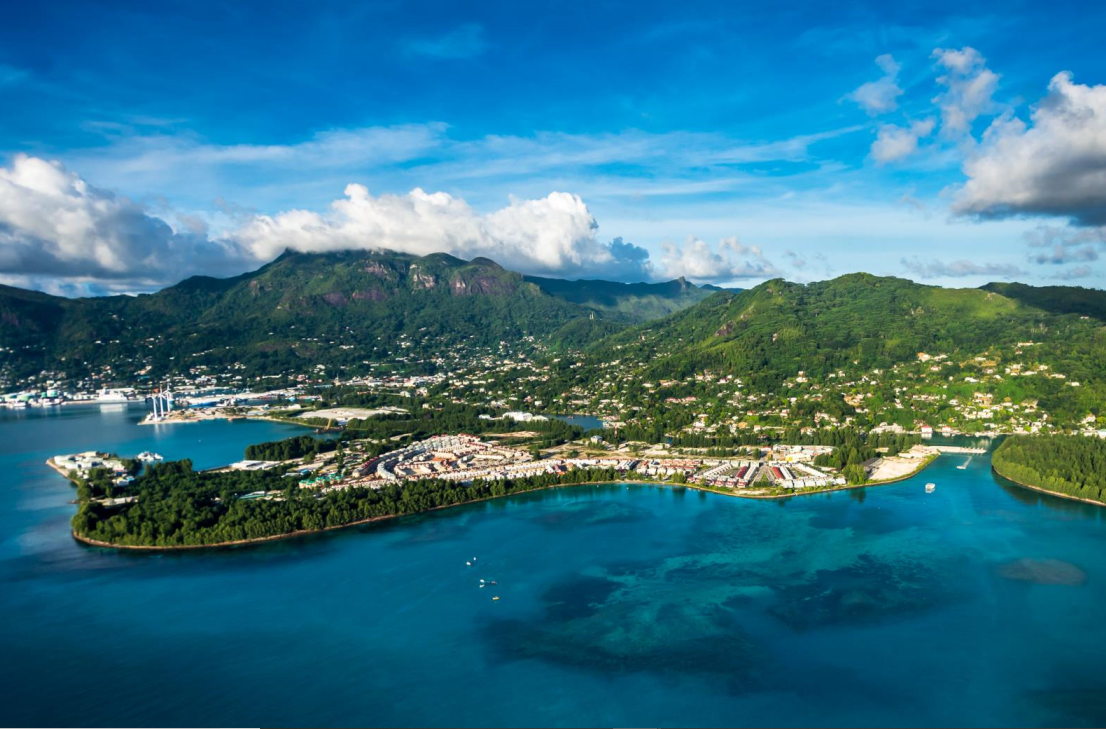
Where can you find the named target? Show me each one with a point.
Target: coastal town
(708, 430)
(984, 395)
(716, 432)
(465, 459)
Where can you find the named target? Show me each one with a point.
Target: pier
(959, 449)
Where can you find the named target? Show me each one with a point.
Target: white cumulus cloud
(730, 260)
(556, 234)
(880, 96)
(54, 224)
(958, 269)
(894, 142)
(1055, 166)
(969, 88)
(60, 233)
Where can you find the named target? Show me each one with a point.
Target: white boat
(930, 488)
(200, 401)
(148, 457)
(110, 396)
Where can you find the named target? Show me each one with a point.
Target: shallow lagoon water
(619, 605)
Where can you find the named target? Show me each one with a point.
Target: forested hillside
(330, 309)
(855, 322)
(637, 302)
(1067, 465)
(1056, 299)
(857, 350)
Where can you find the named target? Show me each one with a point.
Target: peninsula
(313, 485)
(1072, 467)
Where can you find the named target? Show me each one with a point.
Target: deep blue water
(619, 606)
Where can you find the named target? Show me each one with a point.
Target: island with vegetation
(177, 506)
(307, 484)
(1071, 466)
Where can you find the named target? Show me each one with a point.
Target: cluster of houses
(441, 457)
(668, 467)
(791, 474)
(83, 463)
(465, 458)
(800, 476)
(951, 395)
(519, 416)
(730, 474)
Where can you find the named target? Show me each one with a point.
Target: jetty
(959, 449)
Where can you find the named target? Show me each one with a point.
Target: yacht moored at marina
(111, 396)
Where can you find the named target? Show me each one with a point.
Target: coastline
(1042, 490)
(924, 465)
(59, 469)
(306, 532)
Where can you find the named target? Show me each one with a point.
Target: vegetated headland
(1072, 467)
(308, 485)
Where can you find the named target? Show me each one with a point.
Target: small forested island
(1067, 465)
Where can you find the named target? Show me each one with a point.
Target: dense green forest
(1070, 465)
(859, 324)
(179, 506)
(632, 301)
(1056, 299)
(354, 313)
(289, 448)
(334, 309)
(853, 323)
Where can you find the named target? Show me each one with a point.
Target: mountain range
(336, 307)
(349, 308)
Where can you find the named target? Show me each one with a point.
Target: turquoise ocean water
(978, 604)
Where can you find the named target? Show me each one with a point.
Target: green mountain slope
(859, 323)
(27, 317)
(638, 302)
(1056, 299)
(306, 309)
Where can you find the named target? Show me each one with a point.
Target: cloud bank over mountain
(55, 227)
(947, 147)
(556, 234)
(54, 224)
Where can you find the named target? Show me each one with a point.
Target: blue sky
(143, 142)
